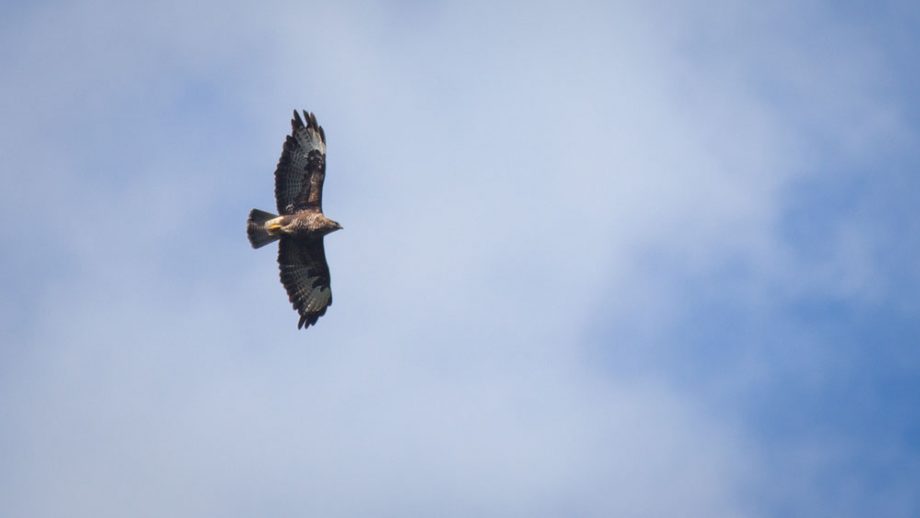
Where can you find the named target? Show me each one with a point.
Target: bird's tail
(255, 228)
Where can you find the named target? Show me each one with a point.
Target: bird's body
(302, 225)
(306, 224)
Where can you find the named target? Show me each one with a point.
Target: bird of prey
(301, 225)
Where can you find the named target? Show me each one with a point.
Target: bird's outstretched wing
(305, 276)
(302, 167)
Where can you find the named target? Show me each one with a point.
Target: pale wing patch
(306, 290)
(319, 299)
(309, 139)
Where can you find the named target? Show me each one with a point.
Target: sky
(601, 259)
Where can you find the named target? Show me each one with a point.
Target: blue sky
(607, 259)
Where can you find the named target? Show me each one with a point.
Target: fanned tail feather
(255, 228)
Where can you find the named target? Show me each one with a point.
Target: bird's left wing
(305, 276)
(302, 167)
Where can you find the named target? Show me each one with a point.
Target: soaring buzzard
(302, 224)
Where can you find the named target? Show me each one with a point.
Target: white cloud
(498, 171)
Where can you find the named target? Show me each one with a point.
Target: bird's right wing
(302, 166)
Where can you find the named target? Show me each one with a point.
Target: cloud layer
(597, 261)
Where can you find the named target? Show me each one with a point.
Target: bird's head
(331, 226)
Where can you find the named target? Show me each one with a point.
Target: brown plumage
(301, 224)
